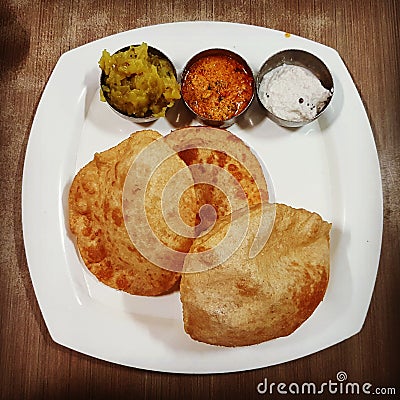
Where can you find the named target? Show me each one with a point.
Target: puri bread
(209, 146)
(245, 300)
(96, 218)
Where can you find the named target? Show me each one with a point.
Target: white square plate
(330, 167)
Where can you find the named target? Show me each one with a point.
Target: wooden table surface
(33, 35)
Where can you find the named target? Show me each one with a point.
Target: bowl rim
(152, 50)
(218, 51)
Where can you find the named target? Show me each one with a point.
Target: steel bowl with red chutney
(217, 85)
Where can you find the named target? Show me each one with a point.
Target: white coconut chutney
(293, 93)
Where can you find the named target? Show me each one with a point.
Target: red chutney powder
(217, 87)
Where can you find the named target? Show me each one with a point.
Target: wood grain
(33, 35)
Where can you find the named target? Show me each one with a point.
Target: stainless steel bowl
(303, 59)
(217, 52)
(149, 117)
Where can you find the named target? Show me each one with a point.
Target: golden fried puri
(226, 173)
(245, 300)
(96, 219)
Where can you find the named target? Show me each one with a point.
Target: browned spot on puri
(210, 159)
(87, 231)
(78, 194)
(189, 155)
(106, 272)
(122, 282)
(294, 264)
(245, 289)
(238, 175)
(222, 159)
(200, 249)
(96, 253)
(117, 217)
(88, 187)
(312, 292)
(232, 167)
